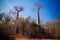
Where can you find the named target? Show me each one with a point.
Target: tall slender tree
(38, 5)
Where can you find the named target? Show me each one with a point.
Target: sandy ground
(33, 39)
(20, 37)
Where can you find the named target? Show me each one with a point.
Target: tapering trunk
(17, 15)
(38, 18)
(23, 31)
(16, 22)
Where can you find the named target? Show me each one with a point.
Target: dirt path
(33, 39)
(20, 37)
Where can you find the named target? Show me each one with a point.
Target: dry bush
(23, 26)
(56, 29)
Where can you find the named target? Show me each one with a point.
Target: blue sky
(49, 12)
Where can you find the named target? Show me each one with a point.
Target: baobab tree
(18, 9)
(38, 5)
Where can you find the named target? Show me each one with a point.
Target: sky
(49, 12)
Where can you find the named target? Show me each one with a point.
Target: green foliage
(34, 25)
